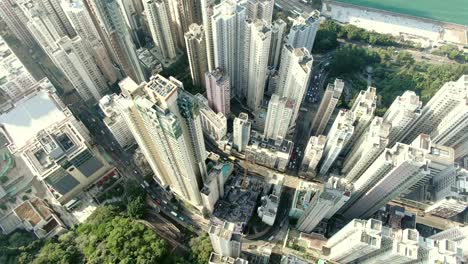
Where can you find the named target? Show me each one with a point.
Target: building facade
(218, 91)
(327, 106)
(279, 114)
(340, 132)
(196, 52)
(166, 124)
(241, 133)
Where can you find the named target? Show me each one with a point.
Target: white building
(324, 204)
(218, 91)
(214, 185)
(276, 45)
(260, 9)
(279, 114)
(441, 158)
(241, 131)
(452, 130)
(303, 31)
(115, 122)
(86, 29)
(393, 172)
(220, 259)
(253, 72)
(274, 154)
(449, 194)
(400, 247)
(327, 106)
(366, 149)
(363, 110)
(403, 111)
(269, 208)
(16, 80)
(55, 146)
(304, 193)
(207, 8)
(357, 239)
(439, 107)
(226, 239)
(313, 154)
(340, 132)
(157, 13)
(16, 21)
(228, 29)
(196, 52)
(294, 75)
(458, 235)
(166, 124)
(214, 125)
(78, 65)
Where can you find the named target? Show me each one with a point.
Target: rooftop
(29, 117)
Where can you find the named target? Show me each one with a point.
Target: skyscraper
(327, 106)
(400, 247)
(196, 53)
(57, 16)
(16, 21)
(313, 154)
(226, 239)
(207, 7)
(366, 149)
(218, 91)
(363, 110)
(277, 37)
(294, 76)
(340, 132)
(324, 204)
(357, 239)
(228, 28)
(119, 36)
(303, 31)
(279, 114)
(165, 122)
(441, 105)
(79, 67)
(260, 9)
(440, 159)
(16, 79)
(253, 72)
(115, 121)
(214, 124)
(159, 24)
(89, 33)
(393, 172)
(404, 110)
(241, 133)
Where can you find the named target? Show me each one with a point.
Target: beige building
(327, 106)
(196, 52)
(165, 121)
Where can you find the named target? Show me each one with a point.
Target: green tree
(325, 41)
(137, 208)
(405, 58)
(200, 249)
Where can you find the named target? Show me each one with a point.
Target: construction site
(241, 196)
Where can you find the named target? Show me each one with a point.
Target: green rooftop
(452, 11)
